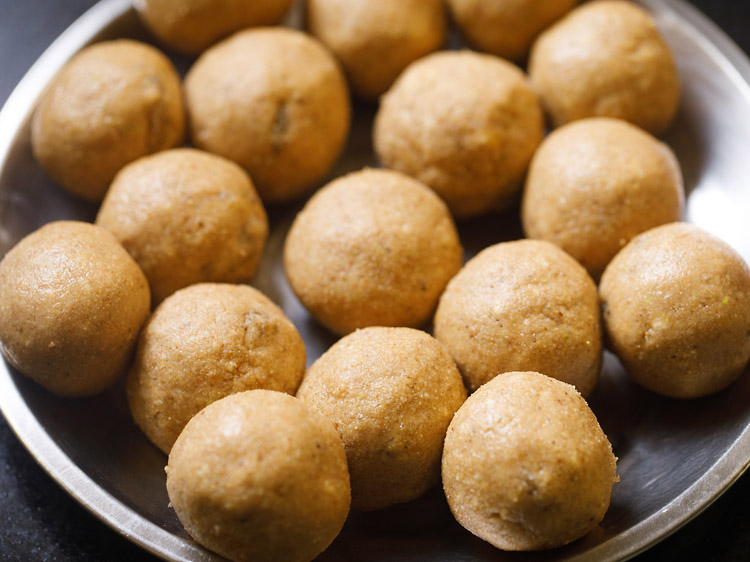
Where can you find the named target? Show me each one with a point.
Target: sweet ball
(596, 183)
(391, 393)
(260, 477)
(275, 101)
(191, 26)
(375, 41)
(522, 305)
(606, 59)
(205, 342)
(113, 102)
(186, 216)
(506, 28)
(526, 465)
(372, 248)
(72, 302)
(676, 309)
(465, 124)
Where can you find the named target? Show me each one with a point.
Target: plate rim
(156, 540)
(60, 467)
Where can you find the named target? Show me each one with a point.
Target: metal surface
(675, 457)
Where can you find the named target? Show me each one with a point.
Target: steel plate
(675, 457)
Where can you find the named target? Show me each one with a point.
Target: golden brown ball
(114, 102)
(506, 28)
(71, 304)
(391, 393)
(676, 304)
(203, 343)
(186, 217)
(596, 183)
(375, 41)
(465, 124)
(191, 26)
(523, 305)
(526, 465)
(373, 248)
(260, 477)
(275, 101)
(606, 59)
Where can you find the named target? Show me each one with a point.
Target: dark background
(39, 521)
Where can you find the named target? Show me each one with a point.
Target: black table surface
(39, 521)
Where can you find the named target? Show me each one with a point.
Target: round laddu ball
(391, 393)
(526, 465)
(606, 59)
(191, 26)
(506, 28)
(465, 124)
(596, 183)
(523, 305)
(186, 216)
(72, 302)
(203, 343)
(375, 41)
(276, 102)
(111, 104)
(676, 303)
(373, 248)
(260, 477)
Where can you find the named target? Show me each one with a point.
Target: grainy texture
(506, 28)
(186, 216)
(526, 465)
(276, 102)
(676, 304)
(111, 104)
(373, 248)
(191, 26)
(606, 59)
(71, 304)
(391, 393)
(375, 41)
(48, 524)
(258, 476)
(203, 343)
(465, 124)
(596, 183)
(523, 305)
